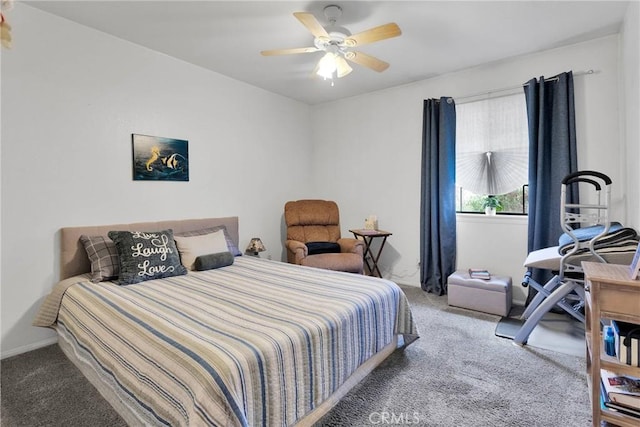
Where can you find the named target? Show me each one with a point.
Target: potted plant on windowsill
(491, 205)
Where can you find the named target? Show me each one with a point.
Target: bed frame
(74, 261)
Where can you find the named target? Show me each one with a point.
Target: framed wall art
(160, 159)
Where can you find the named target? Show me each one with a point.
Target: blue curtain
(438, 195)
(552, 156)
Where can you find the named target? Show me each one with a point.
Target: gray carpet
(457, 374)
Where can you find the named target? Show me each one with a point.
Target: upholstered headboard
(74, 259)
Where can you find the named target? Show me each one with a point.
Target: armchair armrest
(296, 251)
(351, 245)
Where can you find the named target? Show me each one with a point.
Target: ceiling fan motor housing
(333, 12)
(337, 35)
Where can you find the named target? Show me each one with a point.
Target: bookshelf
(610, 294)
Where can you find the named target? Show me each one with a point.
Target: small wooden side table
(368, 236)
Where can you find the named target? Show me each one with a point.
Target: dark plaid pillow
(103, 256)
(146, 255)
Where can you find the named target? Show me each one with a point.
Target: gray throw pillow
(213, 261)
(103, 256)
(146, 255)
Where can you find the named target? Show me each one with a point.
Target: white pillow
(192, 247)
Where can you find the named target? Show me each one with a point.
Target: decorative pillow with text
(146, 255)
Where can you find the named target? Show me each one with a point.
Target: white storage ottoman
(489, 296)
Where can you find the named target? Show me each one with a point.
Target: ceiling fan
(338, 43)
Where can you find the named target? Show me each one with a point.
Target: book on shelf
(621, 390)
(479, 273)
(605, 403)
(623, 409)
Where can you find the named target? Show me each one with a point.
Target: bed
(253, 343)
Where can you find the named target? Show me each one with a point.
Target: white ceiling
(437, 36)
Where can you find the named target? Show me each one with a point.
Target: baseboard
(30, 347)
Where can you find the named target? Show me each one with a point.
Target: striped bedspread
(257, 343)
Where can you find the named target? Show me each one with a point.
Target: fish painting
(160, 159)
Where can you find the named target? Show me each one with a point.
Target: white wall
(72, 97)
(372, 145)
(497, 243)
(630, 101)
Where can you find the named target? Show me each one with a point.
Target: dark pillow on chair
(315, 248)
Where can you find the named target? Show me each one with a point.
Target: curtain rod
(511, 88)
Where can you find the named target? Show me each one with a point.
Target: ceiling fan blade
(382, 32)
(343, 68)
(312, 24)
(367, 61)
(289, 51)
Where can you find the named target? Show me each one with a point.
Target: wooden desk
(610, 294)
(368, 236)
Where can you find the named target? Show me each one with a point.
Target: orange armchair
(319, 221)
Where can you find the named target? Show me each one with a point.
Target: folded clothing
(584, 234)
(617, 239)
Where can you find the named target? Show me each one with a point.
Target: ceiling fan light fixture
(327, 65)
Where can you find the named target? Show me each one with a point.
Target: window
(492, 154)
